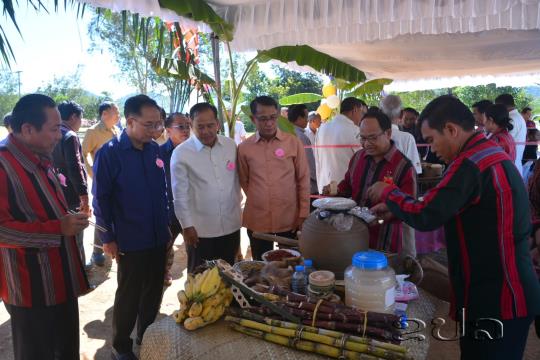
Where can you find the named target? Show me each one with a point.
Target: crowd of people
(168, 174)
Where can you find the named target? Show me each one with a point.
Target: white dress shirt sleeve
(412, 154)
(180, 189)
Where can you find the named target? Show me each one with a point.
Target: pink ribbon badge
(62, 179)
(231, 165)
(159, 163)
(279, 152)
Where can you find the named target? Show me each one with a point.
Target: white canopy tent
(418, 43)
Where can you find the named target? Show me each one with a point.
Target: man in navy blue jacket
(130, 201)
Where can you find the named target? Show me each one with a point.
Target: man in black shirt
(68, 160)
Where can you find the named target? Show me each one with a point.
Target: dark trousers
(221, 247)
(45, 332)
(510, 347)
(259, 247)
(138, 297)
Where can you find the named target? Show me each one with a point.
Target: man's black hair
(200, 107)
(106, 105)
(68, 108)
(447, 109)
(30, 109)
(134, 105)
(482, 105)
(505, 99)
(262, 100)
(7, 119)
(525, 109)
(384, 121)
(348, 104)
(163, 113)
(170, 119)
(500, 116)
(411, 110)
(296, 111)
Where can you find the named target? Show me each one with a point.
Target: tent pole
(217, 74)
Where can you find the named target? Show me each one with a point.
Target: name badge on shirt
(159, 163)
(279, 153)
(230, 165)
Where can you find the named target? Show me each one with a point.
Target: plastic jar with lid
(370, 283)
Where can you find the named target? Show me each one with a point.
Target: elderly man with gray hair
(405, 143)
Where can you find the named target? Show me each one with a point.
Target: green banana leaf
(283, 123)
(370, 87)
(301, 98)
(199, 10)
(305, 55)
(180, 70)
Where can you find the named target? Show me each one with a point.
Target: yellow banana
(206, 310)
(182, 297)
(188, 286)
(210, 284)
(213, 300)
(195, 309)
(193, 323)
(179, 316)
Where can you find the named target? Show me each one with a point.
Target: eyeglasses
(370, 139)
(153, 126)
(181, 127)
(271, 118)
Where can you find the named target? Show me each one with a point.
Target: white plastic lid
(334, 203)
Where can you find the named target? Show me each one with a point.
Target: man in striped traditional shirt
(482, 203)
(41, 272)
(379, 159)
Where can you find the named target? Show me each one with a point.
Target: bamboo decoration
(314, 342)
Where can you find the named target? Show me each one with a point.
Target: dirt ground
(96, 312)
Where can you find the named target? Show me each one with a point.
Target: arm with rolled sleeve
(24, 234)
(458, 187)
(180, 189)
(103, 190)
(302, 180)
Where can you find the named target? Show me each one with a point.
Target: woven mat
(165, 340)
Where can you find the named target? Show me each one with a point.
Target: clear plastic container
(298, 281)
(370, 284)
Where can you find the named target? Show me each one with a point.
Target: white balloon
(332, 101)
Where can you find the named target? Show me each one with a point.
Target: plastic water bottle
(298, 281)
(308, 268)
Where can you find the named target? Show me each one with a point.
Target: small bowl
(246, 266)
(268, 254)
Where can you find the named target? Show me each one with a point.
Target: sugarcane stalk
(331, 333)
(319, 338)
(304, 345)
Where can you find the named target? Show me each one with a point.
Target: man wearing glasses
(178, 129)
(130, 201)
(378, 160)
(274, 174)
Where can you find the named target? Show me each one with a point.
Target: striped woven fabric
(38, 266)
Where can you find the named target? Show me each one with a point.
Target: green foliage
(471, 94)
(305, 55)
(67, 88)
(135, 42)
(419, 99)
(301, 98)
(8, 92)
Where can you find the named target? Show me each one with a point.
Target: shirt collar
(66, 126)
(168, 146)
(23, 152)
(395, 127)
(125, 142)
(279, 135)
(199, 145)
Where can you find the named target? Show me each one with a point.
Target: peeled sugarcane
(346, 343)
(335, 334)
(304, 345)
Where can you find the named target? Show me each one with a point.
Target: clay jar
(331, 249)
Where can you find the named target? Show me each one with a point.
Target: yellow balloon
(325, 111)
(329, 90)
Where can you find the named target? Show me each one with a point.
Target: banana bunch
(203, 299)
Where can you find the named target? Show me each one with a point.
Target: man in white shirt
(332, 163)
(519, 132)
(391, 107)
(314, 123)
(206, 190)
(239, 132)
